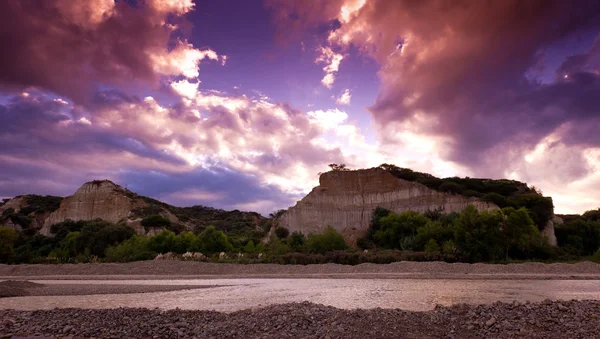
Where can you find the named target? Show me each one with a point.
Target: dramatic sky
(240, 104)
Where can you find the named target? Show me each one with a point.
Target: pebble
(290, 321)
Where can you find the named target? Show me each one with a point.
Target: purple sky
(240, 104)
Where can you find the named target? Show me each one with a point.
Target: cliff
(346, 200)
(106, 200)
(95, 199)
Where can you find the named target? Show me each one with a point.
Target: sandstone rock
(96, 199)
(345, 200)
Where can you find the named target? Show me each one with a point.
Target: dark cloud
(69, 47)
(460, 69)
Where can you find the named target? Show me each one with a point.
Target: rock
(67, 329)
(346, 200)
(490, 322)
(562, 307)
(470, 327)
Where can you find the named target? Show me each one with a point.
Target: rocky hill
(103, 199)
(346, 200)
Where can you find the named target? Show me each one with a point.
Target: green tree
(375, 224)
(282, 232)
(8, 239)
(133, 249)
(163, 242)
(433, 230)
(477, 235)
(212, 241)
(432, 246)
(399, 230)
(328, 240)
(296, 241)
(156, 221)
(250, 247)
(518, 229)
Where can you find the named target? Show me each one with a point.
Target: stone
(490, 322)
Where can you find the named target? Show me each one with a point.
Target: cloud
(344, 98)
(470, 82)
(332, 62)
(73, 47)
(272, 143)
(185, 88)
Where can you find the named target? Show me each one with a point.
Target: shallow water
(235, 294)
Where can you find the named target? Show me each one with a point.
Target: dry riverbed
(15, 288)
(548, 319)
(171, 269)
(565, 319)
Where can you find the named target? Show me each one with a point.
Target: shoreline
(547, 319)
(172, 269)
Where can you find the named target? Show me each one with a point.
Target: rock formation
(95, 199)
(346, 200)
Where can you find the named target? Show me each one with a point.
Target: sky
(241, 104)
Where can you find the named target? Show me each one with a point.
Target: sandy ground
(168, 269)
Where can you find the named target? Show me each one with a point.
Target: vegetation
(503, 192)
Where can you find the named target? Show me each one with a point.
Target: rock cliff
(95, 199)
(346, 200)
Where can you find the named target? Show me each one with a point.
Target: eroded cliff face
(95, 199)
(346, 200)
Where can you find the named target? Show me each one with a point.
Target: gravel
(173, 269)
(26, 288)
(549, 319)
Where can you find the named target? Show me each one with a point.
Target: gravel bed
(27, 288)
(405, 269)
(548, 319)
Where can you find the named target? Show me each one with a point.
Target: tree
(282, 232)
(375, 224)
(296, 241)
(518, 229)
(477, 235)
(399, 230)
(432, 246)
(338, 167)
(157, 221)
(8, 238)
(212, 241)
(329, 240)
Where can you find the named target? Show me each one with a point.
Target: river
(234, 294)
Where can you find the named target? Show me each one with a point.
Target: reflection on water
(236, 294)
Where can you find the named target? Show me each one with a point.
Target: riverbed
(229, 295)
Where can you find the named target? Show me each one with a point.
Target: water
(235, 294)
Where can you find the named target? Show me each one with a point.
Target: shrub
(8, 238)
(395, 227)
(157, 221)
(282, 232)
(212, 241)
(329, 240)
(296, 241)
(134, 249)
(432, 247)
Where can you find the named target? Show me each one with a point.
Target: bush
(134, 249)
(212, 241)
(329, 240)
(396, 227)
(296, 241)
(282, 232)
(432, 247)
(156, 221)
(8, 238)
